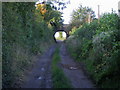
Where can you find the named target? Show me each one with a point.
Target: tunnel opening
(60, 36)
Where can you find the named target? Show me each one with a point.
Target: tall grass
(15, 64)
(59, 79)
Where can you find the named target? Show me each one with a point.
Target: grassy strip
(59, 79)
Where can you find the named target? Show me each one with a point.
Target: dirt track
(40, 75)
(74, 72)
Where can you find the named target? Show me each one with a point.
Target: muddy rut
(40, 74)
(73, 71)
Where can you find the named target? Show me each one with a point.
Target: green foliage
(58, 4)
(24, 34)
(59, 79)
(54, 16)
(50, 12)
(80, 16)
(81, 13)
(98, 46)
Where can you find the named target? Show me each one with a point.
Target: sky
(105, 6)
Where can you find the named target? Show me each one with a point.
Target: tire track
(74, 73)
(40, 75)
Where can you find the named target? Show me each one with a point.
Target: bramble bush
(98, 46)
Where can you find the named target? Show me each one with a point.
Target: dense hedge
(24, 34)
(98, 45)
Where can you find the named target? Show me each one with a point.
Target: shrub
(98, 46)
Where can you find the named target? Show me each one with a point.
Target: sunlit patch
(64, 34)
(60, 36)
(56, 35)
(41, 6)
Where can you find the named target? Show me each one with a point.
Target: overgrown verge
(24, 35)
(98, 45)
(59, 79)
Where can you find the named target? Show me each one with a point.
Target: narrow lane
(74, 72)
(40, 76)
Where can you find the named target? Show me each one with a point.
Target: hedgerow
(24, 35)
(98, 46)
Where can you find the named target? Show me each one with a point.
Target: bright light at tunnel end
(64, 34)
(60, 36)
(56, 35)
